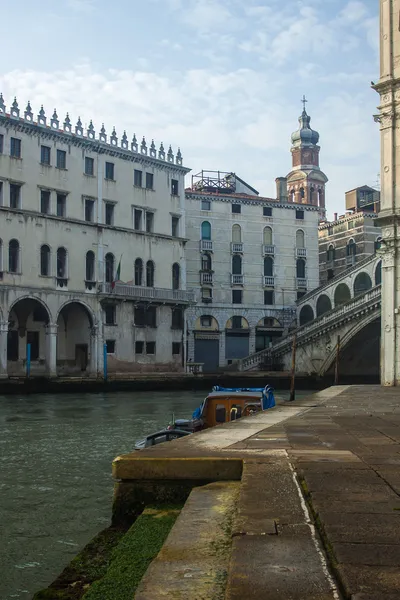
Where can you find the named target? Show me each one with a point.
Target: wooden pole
(293, 371)
(337, 361)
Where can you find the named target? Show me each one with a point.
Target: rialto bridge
(347, 306)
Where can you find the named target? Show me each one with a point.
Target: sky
(221, 79)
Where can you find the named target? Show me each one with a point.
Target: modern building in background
(248, 259)
(92, 248)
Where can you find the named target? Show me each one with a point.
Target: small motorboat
(222, 405)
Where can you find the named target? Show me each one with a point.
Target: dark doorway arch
(306, 314)
(324, 305)
(362, 283)
(76, 346)
(342, 294)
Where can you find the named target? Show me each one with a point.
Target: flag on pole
(117, 274)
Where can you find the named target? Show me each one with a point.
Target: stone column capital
(3, 326)
(51, 329)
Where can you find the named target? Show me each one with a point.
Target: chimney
(281, 189)
(335, 216)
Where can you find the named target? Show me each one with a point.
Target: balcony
(148, 294)
(269, 281)
(301, 252)
(237, 279)
(206, 246)
(237, 247)
(206, 277)
(268, 250)
(301, 282)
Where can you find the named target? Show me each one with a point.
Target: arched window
(299, 238)
(302, 192)
(267, 236)
(330, 253)
(13, 256)
(236, 264)
(351, 248)
(109, 267)
(138, 271)
(90, 266)
(176, 276)
(206, 230)
(268, 266)
(206, 262)
(62, 263)
(236, 234)
(45, 260)
(149, 273)
(300, 268)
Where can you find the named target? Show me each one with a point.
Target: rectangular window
(206, 321)
(137, 219)
(175, 226)
(267, 211)
(149, 222)
(268, 296)
(44, 202)
(150, 347)
(205, 205)
(151, 316)
(89, 210)
(109, 216)
(174, 187)
(176, 348)
(236, 209)
(109, 313)
(139, 316)
(61, 159)
(15, 147)
(89, 166)
(45, 153)
(300, 215)
(237, 296)
(110, 346)
(1, 143)
(177, 318)
(15, 195)
(110, 171)
(61, 205)
(139, 346)
(149, 181)
(137, 178)
(206, 295)
(236, 322)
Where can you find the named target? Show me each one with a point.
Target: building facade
(92, 248)
(248, 259)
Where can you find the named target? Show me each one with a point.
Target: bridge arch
(342, 294)
(324, 305)
(362, 283)
(306, 314)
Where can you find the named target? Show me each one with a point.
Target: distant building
(248, 259)
(363, 199)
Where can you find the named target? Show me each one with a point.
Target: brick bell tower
(306, 182)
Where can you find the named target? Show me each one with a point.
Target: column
(222, 357)
(3, 348)
(96, 352)
(51, 350)
(252, 340)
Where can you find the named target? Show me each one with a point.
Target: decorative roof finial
(124, 141)
(153, 151)
(179, 157)
(54, 122)
(113, 137)
(2, 105)
(304, 100)
(41, 116)
(161, 152)
(14, 109)
(55, 116)
(28, 112)
(79, 128)
(67, 124)
(170, 155)
(103, 137)
(143, 146)
(15, 103)
(90, 130)
(134, 144)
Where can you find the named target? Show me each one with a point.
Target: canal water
(55, 473)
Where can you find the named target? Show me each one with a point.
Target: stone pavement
(318, 512)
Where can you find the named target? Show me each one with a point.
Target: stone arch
(306, 314)
(362, 283)
(324, 305)
(214, 326)
(342, 294)
(76, 342)
(378, 273)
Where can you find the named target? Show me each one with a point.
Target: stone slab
(135, 466)
(377, 581)
(363, 528)
(369, 554)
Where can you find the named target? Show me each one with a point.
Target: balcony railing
(237, 247)
(301, 252)
(269, 281)
(237, 279)
(302, 282)
(206, 246)
(268, 249)
(147, 293)
(206, 277)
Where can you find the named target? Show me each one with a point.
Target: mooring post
(28, 360)
(337, 361)
(105, 361)
(293, 371)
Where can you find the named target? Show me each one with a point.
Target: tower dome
(305, 136)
